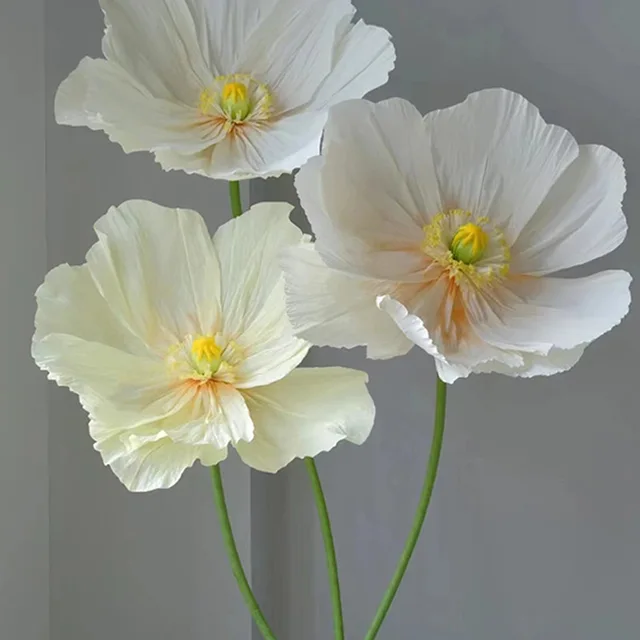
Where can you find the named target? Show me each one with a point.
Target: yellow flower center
(207, 353)
(236, 98)
(469, 249)
(204, 358)
(469, 243)
(235, 101)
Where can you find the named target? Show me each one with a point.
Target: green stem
(236, 200)
(234, 556)
(421, 512)
(329, 548)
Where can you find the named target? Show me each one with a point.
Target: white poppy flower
(229, 89)
(179, 346)
(442, 232)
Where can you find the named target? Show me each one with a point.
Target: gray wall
(122, 565)
(535, 523)
(24, 545)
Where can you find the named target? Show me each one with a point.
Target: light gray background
(24, 546)
(535, 524)
(534, 530)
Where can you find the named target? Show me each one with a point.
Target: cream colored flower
(229, 89)
(179, 346)
(443, 231)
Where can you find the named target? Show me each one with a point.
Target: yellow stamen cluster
(467, 247)
(208, 100)
(435, 231)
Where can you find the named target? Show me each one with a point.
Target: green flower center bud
(235, 101)
(469, 243)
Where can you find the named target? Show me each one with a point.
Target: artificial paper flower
(179, 345)
(229, 89)
(443, 231)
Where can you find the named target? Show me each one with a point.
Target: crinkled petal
(495, 156)
(530, 365)
(70, 303)
(530, 327)
(157, 269)
(556, 361)
(189, 413)
(315, 58)
(363, 58)
(540, 314)
(157, 44)
(481, 357)
(122, 391)
(292, 49)
(140, 411)
(126, 396)
(413, 327)
(100, 95)
(350, 245)
(273, 354)
(253, 297)
(449, 372)
(225, 27)
(419, 323)
(331, 308)
(476, 356)
(155, 464)
(217, 415)
(308, 412)
(374, 189)
(248, 250)
(580, 220)
(266, 150)
(538, 327)
(397, 194)
(149, 449)
(98, 372)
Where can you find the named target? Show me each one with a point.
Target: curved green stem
(236, 200)
(421, 512)
(234, 556)
(329, 548)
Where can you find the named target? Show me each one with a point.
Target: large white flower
(229, 89)
(442, 232)
(179, 346)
